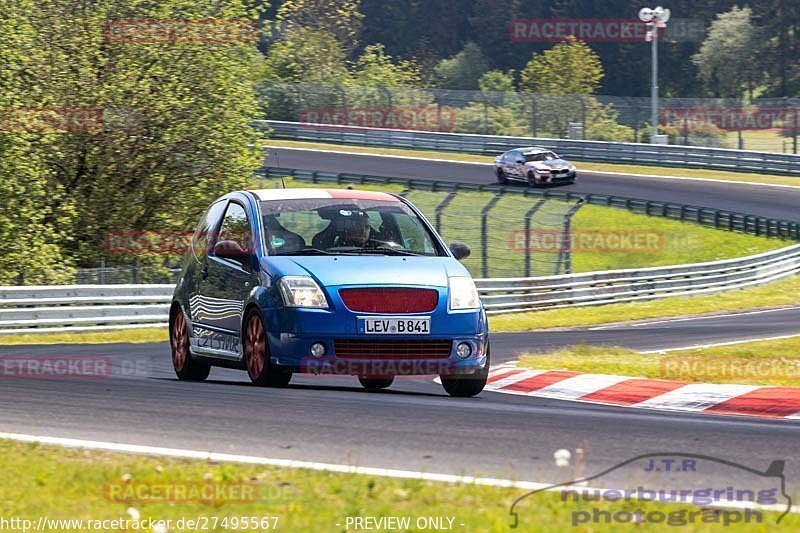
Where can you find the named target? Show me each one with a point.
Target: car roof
(266, 195)
(533, 149)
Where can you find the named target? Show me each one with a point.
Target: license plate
(395, 326)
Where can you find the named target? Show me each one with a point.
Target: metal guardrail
(599, 151)
(96, 307)
(705, 216)
(616, 286)
(43, 309)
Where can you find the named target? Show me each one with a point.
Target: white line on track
(690, 319)
(475, 163)
(715, 344)
(329, 467)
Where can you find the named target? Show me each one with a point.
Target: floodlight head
(662, 14)
(646, 14)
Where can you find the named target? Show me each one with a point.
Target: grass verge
(86, 485)
(652, 241)
(783, 292)
(587, 166)
(136, 336)
(773, 363)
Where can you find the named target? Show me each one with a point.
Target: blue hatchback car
(285, 281)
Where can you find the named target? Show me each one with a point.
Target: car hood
(546, 165)
(370, 269)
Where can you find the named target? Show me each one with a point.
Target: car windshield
(540, 156)
(325, 226)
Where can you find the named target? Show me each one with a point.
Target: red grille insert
(390, 300)
(390, 349)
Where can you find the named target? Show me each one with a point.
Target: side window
(202, 235)
(235, 227)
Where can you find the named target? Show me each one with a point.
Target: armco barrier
(93, 307)
(35, 309)
(641, 154)
(706, 216)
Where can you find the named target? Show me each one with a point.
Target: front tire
(467, 385)
(376, 384)
(186, 368)
(532, 180)
(501, 176)
(256, 355)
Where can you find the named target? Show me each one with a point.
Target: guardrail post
(528, 217)
(441, 207)
(485, 234)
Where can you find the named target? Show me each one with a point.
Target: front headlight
(463, 294)
(302, 291)
(571, 166)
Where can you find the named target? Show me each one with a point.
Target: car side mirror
(520, 161)
(231, 250)
(460, 250)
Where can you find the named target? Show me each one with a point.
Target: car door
(228, 276)
(514, 168)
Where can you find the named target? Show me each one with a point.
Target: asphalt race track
(776, 202)
(415, 425)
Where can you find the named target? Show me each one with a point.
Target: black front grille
(391, 349)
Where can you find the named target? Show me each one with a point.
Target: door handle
(204, 272)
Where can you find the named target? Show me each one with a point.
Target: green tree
(379, 82)
(340, 18)
(298, 71)
(463, 70)
(571, 67)
(306, 56)
(375, 68)
(728, 58)
(497, 109)
(175, 130)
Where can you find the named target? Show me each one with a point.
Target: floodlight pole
(655, 19)
(654, 86)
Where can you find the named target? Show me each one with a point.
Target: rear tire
(256, 355)
(501, 176)
(467, 385)
(186, 368)
(376, 384)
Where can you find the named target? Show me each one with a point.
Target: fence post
(528, 217)
(565, 250)
(485, 234)
(534, 115)
(441, 207)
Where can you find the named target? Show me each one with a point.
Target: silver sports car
(535, 166)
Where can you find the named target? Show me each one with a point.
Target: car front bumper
(348, 352)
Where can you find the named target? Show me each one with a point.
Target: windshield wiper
(312, 251)
(386, 250)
